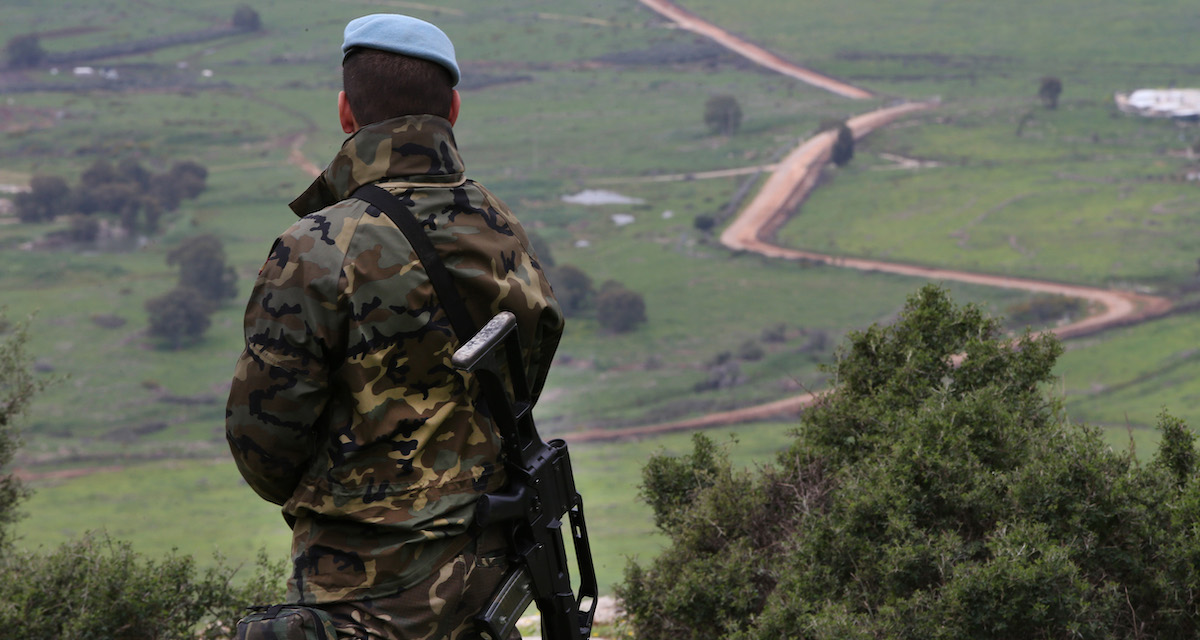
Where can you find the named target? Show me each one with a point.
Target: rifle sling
(443, 283)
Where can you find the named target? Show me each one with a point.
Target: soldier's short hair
(380, 85)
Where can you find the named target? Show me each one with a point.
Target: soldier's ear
(345, 115)
(455, 103)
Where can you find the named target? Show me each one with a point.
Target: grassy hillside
(567, 95)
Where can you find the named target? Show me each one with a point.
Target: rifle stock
(540, 494)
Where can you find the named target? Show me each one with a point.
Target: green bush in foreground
(927, 500)
(96, 588)
(99, 588)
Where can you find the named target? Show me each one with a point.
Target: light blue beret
(404, 35)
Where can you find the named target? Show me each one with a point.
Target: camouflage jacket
(344, 407)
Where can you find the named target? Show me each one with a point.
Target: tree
(133, 172)
(83, 229)
(201, 262)
(928, 499)
(573, 288)
(618, 309)
(191, 177)
(843, 146)
(48, 197)
(246, 19)
(25, 51)
(723, 114)
(179, 317)
(18, 386)
(1048, 90)
(99, 174)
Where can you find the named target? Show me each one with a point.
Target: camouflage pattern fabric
(344, 407)
(442, 606)
(284, 622)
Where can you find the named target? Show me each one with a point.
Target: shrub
(18, 386)
(246, 18)
(202, 267)
(618, 309)
(1049, 89)
(573, 288)
(48, 197)
(927, 500)
(843, 146)
(25, 51)
(1044, 308)
(751, 350)
(96, 587)
(179, 317)
(723, 114)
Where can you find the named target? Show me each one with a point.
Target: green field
(1078, 194)
(219, 513)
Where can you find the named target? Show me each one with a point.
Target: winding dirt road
(795, 178)
(791, 182)
(686, 20)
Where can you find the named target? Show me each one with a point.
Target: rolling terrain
(541, 122)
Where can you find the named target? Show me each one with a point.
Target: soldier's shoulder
(334, 217)
(324, 235)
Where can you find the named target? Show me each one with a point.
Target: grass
(202, 507)
(1050, 204)
(920, 48)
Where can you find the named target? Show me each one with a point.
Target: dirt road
(753, 52)
(780, 197)
(795, 178)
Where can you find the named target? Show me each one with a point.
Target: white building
(1161, 103)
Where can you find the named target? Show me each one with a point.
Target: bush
(25, 51)
(1044, 308)
(96, 587)
(618, 309)
(751, 350)
(179, 317)
(927, 500)
(18, 386)
(723, 114)
(843, 146)
(47, 198)
(573, 289)
(202, 267)
(246, 18)
(1049, 89)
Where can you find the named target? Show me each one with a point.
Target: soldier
(344, 407)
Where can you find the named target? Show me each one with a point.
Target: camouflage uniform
(344, 408)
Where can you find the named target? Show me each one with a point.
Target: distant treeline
(25, 51)
(140, 46)
(128, 191)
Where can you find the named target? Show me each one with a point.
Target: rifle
(540, 491)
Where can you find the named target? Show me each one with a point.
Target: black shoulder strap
(443, 283)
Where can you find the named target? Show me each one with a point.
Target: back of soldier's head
(380, 85)
(396, 65)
